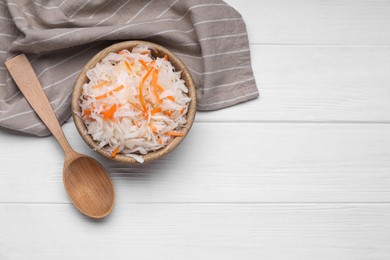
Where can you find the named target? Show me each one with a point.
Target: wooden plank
(316, 83)
(222, 162)
(198, 231)
(316, 22)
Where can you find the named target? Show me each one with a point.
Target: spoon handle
(24, 76)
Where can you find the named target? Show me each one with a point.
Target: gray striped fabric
(59, 37)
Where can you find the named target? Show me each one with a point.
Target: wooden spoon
(86, 181)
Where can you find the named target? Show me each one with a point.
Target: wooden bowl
(157, 51)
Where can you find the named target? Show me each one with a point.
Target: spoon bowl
(86, 182)
(79, 188)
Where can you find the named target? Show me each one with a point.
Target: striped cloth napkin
(59, 37)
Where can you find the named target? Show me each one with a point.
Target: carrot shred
(171, 98)
(101, 96)
(160, 141)
(116, 150)
(87, 112)
(117, 89)
(174, 133)
(109, 93)
(156, 110)
(182, 110)
(144, 52)
(155, 85)
(160, 88)
(153, 127)
(165, 57)
(141, 85)
(144, 64)
(136, 106)
(128, 66)
(100, 84)
(110, 112)
(168, 113)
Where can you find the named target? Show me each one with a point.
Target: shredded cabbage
(134, 103)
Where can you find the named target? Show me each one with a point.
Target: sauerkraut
(134, 103)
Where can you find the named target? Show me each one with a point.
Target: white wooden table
(303, 172)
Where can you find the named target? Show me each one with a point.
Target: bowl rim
(158, 51)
